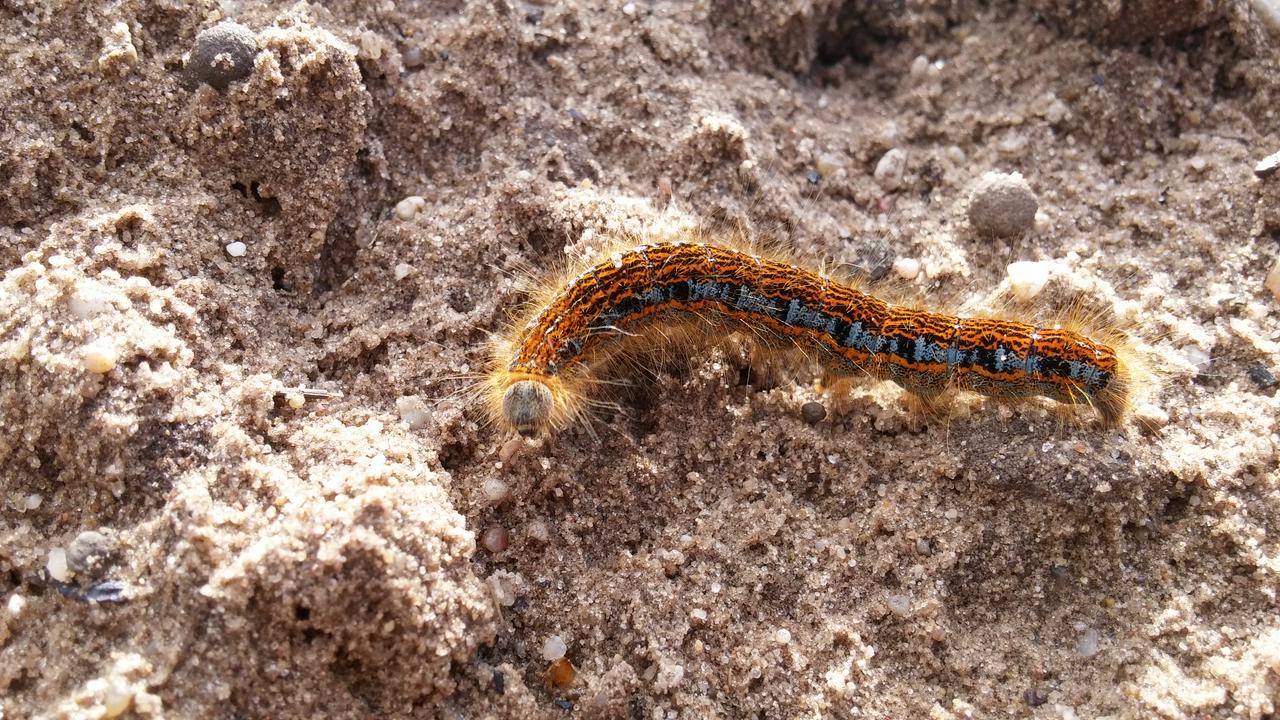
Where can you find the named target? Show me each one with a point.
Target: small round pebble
(495, 539)
(100, 358)
(410, 206)
(561, 674)
(413, 411)
(495, 491)
(554, 648)
(891, 169)
(223, 54)
(537, 530)
(906, 268)
(1027, 278)
(782, 636)
(237, 249)
(813, 412)
(89, 552)
(1002, 205)
(899, 605)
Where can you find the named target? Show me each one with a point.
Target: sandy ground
(184, 534)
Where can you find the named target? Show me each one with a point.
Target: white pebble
(495, 491)
(697, 616)
(538, 530)
(237, 249)
(295, 399)
(413, 411)
(899, 605)
(410, 206)
(402, 271)
(1027, 278)
(891, 169)
(1089, 643)
(629, 9)
(1198, 163)
(16, 604)
(906, 268)
(669, 675)
(554, 648)
(1272, 282)
(919, 66)
(57, 565)
(1267, 166)
(782, 636)
(117, 700)
(31, 502)
(828, 164)
(1197, 357)
(100, 358)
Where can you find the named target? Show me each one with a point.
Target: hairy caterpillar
(543, 375)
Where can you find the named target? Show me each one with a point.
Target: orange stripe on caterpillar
(541, 377)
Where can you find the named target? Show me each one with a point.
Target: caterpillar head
(528, 407)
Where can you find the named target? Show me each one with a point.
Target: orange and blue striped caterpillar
(543, 375)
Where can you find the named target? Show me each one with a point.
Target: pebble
(495, 491)
(402, 271)
(1089, 643)
(31, 502)
(554, 648)
(919, 67)
(1034, 697)
(1267, 166)
(117, 700)
(1272, 282)
(1262, 376)
(223, 54)
(1002, 205)
(89, 552)
(495, 539)
(813, 412)
(561, 675)
(413, 411)
(412, 56)
(782, 636)
(100, 358)
(828, 164)
(1198, 358)
(57, 565)
(237, 249)
(1027, 278)
(537, 530)
(891, 169)
(410, 206)
(907, 268)
(899, 605)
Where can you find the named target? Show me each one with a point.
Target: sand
(240, 475)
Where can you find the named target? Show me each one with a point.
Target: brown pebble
(561, 674)
(495, 539)
(813, 412)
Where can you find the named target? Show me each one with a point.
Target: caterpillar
(544, 372)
